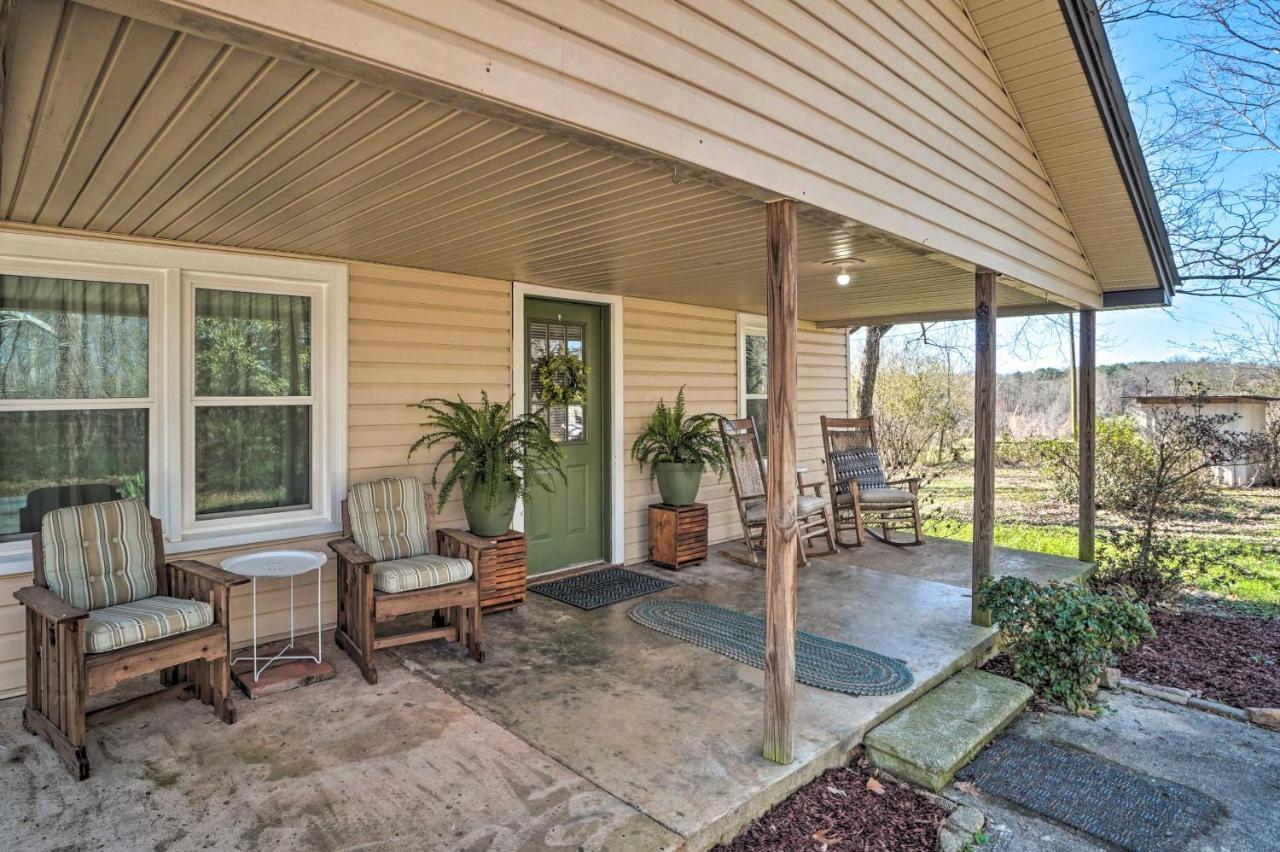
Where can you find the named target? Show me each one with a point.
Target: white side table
(280, 563)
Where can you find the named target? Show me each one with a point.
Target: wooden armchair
(385, 571)
(105, 607)
(861, 495)
(746, 470)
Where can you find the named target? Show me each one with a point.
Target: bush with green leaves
(671, 435)
(490, 449)
(1123, 457)
(1156, 570)
(1060, 636)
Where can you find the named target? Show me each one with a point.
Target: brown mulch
(1231, 659)
(837, 811)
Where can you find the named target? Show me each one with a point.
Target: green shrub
(1060, 636)
(1124, 459)
(1157, 569)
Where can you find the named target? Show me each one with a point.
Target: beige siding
(416, 334)
(889, 114)
(668, 345)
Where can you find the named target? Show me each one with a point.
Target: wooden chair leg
(219, 675)
(915, 511)
(476, 641)
(56, 690)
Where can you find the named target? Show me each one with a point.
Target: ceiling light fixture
(843, 278)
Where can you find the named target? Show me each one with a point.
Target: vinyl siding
(668, 345)
(416, 334)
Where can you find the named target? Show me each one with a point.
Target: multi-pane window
(755, 387)
(567, 422)
(212, 386)
(75, 395)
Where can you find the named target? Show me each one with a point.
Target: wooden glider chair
(105, 607)
(385, 571)
(746, 470)
(861, 495)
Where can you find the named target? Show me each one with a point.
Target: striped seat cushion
(143, 621)
(389, 518)
(420, 572)
(100, 554)
(806, 505)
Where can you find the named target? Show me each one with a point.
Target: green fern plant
(673, 436)
(488, 449)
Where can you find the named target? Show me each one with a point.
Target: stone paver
(1235, 764)
(927, 742)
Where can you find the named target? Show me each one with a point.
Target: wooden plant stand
(677, 535)
(503, 570)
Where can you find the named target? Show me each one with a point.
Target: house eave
(1087, 34)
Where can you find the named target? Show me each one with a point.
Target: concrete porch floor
(581, 730)
(674, 729)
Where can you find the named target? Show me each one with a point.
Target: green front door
(566, 526)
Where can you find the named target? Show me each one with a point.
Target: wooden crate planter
(503, 570)
(677, 535)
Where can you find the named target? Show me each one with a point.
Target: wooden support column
(781, 537)
(984, 435)
(1087, 429)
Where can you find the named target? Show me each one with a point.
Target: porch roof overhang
(180, 121)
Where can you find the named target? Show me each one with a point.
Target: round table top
(275, 563)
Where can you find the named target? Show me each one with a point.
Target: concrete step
(932, 738)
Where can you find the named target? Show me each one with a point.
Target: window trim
(749, 325)
(171, 273)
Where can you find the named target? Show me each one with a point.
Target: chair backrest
(389, 518)
(100, 554)
(849, 444)
(746, 462)
(42, 501)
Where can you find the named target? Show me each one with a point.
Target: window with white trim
(753, 377)
(210, 385)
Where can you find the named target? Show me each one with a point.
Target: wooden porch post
(782, 539)
(984, 435)
(1087, 429)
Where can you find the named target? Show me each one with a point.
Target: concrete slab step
(928, 741)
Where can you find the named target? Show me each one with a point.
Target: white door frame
(520, 405)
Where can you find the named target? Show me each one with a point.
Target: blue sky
(1147, 59)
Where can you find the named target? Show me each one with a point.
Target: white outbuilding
(1250, 415)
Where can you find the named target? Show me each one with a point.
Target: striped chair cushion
(862, 465)
(389, 518)
(143, 621)
(100, 554)
(420, 572)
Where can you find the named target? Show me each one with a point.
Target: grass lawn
(1029, 517)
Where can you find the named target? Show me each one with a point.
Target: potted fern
(678, 448)
(495, 458)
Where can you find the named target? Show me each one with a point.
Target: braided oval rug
(821, 662)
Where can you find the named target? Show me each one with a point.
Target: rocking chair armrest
(208, 573)
(801, 485)
(48, 605)
(912, 483)
(352, 553)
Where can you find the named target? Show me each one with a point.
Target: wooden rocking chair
(385, 571)
(861, 495)
(105, 607)
(746, 470)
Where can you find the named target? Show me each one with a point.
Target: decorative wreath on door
(562, 379)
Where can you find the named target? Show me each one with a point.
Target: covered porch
(581, 728)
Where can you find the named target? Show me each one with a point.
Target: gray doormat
(595, 589)
(1095, 795)
(821, 662)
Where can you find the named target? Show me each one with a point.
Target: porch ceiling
(116, 125)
